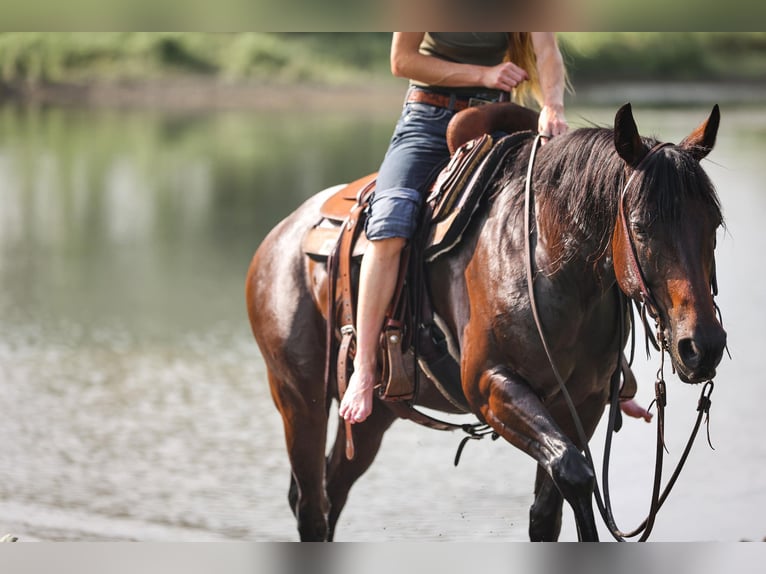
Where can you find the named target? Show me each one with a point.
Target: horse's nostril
(689, 352)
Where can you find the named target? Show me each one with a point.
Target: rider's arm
(408, 62)
(550, 70)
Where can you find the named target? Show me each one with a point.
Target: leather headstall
(645, 293)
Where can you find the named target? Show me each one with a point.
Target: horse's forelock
(669, 181)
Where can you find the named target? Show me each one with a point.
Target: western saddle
(339, 241)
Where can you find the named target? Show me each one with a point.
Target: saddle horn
(475, 121)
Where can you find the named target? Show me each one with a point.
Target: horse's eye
(639, 231)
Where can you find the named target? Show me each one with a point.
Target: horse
(615, 212)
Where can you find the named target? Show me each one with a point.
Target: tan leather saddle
(339, 240)
(447, 199)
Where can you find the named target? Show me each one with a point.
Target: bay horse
(669, 217)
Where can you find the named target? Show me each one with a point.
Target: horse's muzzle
(697, 357)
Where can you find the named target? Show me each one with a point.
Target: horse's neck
(564, 259)
(574, 232)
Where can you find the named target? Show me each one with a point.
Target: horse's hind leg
(343, 473)
(518, 415)
(305, 426)
(545, 513)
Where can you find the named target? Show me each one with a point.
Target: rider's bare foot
(633, 409)
(356, 405)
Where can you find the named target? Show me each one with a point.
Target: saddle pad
(448, 227)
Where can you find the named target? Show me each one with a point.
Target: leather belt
(449, 101)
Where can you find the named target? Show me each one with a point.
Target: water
(134, 403)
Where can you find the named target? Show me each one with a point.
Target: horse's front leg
(545, 512)
(518, 415)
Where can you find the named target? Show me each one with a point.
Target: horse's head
(664, 240)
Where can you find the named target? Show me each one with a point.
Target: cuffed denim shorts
(418, 146)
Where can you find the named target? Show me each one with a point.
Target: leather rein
(646, 302)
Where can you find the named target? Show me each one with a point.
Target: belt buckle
(472, 102)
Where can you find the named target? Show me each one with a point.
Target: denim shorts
(418, 146)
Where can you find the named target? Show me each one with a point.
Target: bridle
(647, 303)
(645, 296)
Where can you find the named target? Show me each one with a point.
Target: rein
(649, 303)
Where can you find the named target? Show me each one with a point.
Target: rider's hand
(552, 121)
(505, 76)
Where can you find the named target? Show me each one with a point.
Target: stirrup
(399, 385)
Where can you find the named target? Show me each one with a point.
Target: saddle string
(604, 504)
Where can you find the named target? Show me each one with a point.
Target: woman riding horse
(447, 71)
(616, 212)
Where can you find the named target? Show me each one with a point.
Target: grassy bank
(347, 58)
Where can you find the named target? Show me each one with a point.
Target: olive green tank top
(478, 48)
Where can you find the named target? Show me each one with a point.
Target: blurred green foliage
(346, 57)
(678, 56)
(275, 57)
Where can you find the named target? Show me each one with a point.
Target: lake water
(134, 403)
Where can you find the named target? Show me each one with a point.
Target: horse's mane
(577, 181)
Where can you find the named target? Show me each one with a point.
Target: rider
(447, 72)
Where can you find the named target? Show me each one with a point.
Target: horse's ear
(626, 138)
(701, 141)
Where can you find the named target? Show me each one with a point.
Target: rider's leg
(417, 147)
(377, 282)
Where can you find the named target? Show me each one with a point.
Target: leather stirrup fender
(346, 318)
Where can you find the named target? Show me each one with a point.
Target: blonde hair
(521, 52)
